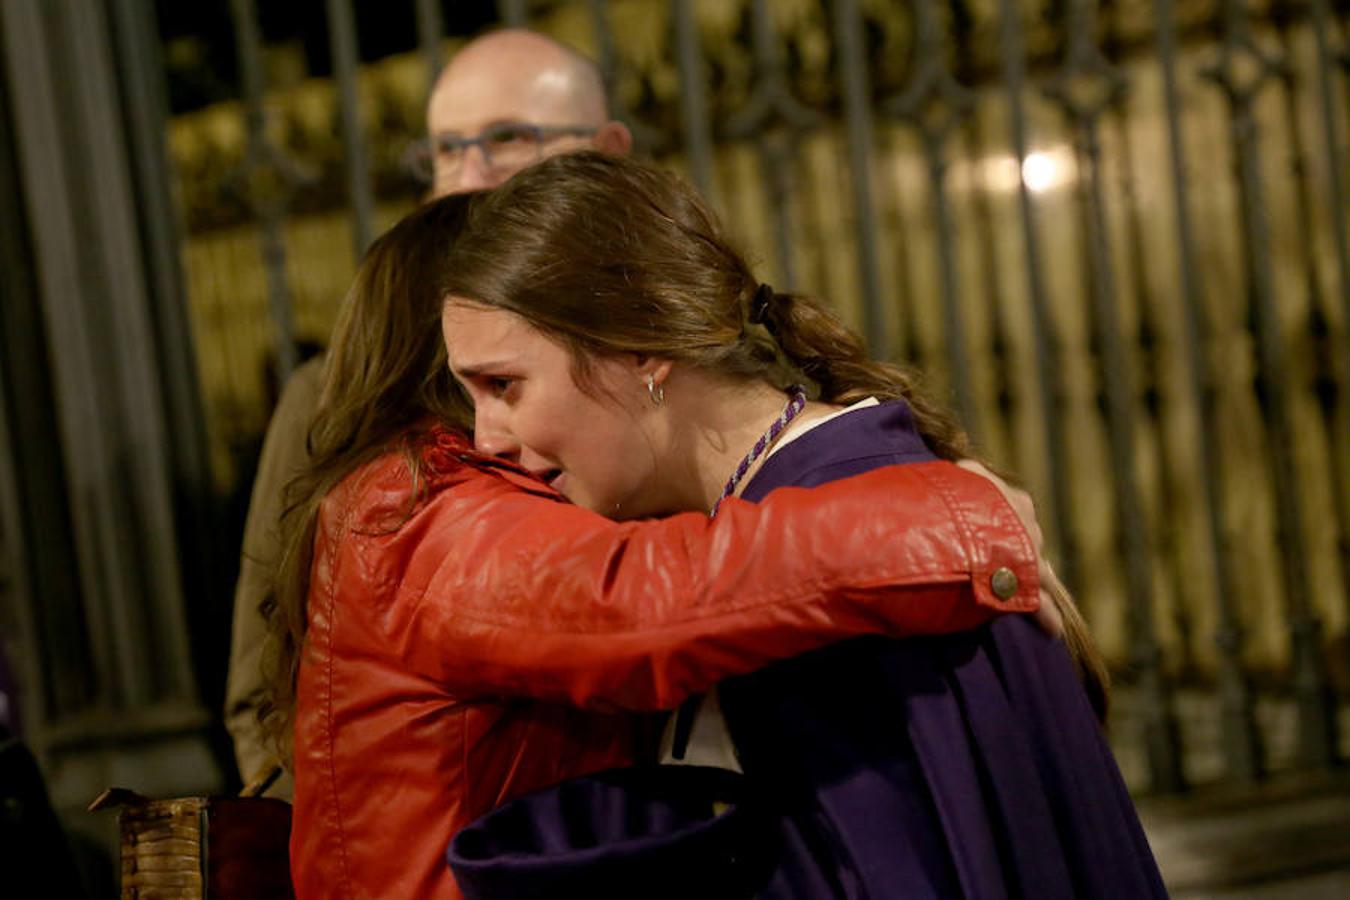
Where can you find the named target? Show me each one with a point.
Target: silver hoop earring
(655, 391)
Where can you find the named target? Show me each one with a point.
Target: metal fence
(1113, 234)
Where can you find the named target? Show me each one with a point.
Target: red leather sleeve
(505, 593)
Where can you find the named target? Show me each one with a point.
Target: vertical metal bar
(776, 155)
(953, 321)
(776, 160)
(646, 139)
(1243, 754)
(1006, 399)
(774, 119)
(607, 57)
(248, 40)
(771, 98)
(1317, 743)
(346, 59)
(1085, 88)
(514, 13)
(850, 50)
(935, 104)
(693, 98)
(1062, 534)
(999, 344)
(1335, 158)
(767, 56)
(910, 350)
(430, 34)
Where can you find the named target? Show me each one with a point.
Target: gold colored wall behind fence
(228, 296)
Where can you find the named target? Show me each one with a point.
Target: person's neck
(719, 423)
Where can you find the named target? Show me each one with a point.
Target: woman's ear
(657, 368)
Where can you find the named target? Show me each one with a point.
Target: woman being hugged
(967, 765)
(448, 632)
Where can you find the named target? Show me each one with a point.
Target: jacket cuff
(1004, 567)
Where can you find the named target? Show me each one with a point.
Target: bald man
(508, 100)
(505, 101)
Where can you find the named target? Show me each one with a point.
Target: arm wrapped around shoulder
(507, 593)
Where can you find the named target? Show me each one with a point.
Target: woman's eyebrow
(478, 368)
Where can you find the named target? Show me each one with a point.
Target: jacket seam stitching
(963, 525)
(329, 738)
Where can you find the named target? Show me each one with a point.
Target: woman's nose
(491, 440)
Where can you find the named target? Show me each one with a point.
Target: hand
(1053, 593)
(1058, 615)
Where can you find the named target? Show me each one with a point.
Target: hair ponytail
(825, 350)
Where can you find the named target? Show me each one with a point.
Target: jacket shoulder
(386, 492)
(370, 496)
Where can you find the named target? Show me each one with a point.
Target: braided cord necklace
(796, 403)
(684, 719)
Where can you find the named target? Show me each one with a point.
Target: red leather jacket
(486, 639)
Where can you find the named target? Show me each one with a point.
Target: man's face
(478, 97)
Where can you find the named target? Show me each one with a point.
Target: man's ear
(614, 137)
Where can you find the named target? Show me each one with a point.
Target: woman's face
(598, 447)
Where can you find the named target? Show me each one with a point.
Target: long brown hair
(609, 256)
(385, 377)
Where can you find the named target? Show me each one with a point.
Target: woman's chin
(577, 494)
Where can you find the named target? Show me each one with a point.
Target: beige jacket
(283, 453)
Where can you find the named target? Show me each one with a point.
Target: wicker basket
(219, 848)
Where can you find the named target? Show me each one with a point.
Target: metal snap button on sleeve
(1004, 583)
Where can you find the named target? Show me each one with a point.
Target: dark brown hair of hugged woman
(608, 256)
(386, 378)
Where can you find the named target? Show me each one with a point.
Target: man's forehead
(472, 97)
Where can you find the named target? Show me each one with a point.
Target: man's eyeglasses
(505, 147)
